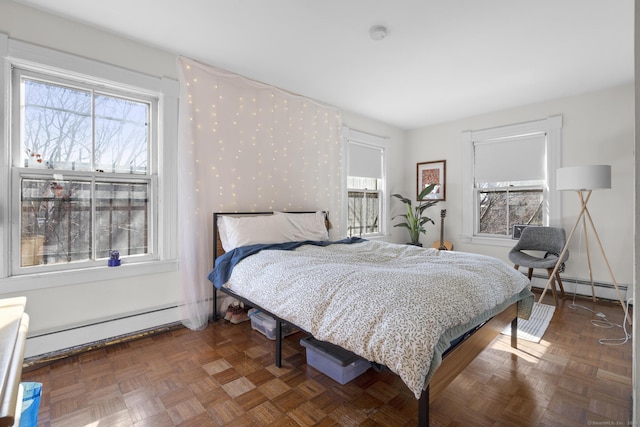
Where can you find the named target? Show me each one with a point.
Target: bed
(399, 306)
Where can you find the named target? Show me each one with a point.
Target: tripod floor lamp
(583, 180)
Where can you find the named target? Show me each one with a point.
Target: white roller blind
(510, 159)
(364, 161)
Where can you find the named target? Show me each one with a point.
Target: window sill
(29, 282)
(382, 237)
(488, 241)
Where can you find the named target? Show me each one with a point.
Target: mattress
(396, 305)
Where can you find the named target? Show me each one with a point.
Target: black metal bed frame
(423, 402)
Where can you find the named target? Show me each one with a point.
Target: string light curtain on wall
(246, 147)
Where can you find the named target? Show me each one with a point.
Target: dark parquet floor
(225, 376)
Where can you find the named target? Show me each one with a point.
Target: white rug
(534, 328)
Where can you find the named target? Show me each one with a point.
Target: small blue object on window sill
(114, 259)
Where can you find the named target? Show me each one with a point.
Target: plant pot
(415, 244)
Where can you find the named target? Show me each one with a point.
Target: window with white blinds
(365, 161)
(507, 173)
(507, 160)
(365, 184)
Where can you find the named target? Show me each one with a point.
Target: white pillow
(280, 228)
(222, 232)
(243, 231)
(305, 226)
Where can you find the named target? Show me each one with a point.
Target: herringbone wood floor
(224, 375)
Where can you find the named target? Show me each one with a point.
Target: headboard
(218, 250)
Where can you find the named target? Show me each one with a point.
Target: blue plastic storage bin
(30, 404)
(335, 362)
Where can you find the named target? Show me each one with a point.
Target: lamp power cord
(602, 321)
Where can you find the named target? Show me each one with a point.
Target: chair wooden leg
(530, 273)
(559, 280)
(553, 285)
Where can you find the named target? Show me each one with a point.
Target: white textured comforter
(395, 305)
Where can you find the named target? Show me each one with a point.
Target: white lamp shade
(583, 177)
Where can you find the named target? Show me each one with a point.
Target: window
(509, 190)
(509, 171)
(506, 205)
(83, 175)
(363, 206)
(84, 163)
(365, 185)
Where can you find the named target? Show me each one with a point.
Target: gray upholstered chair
(540, 247)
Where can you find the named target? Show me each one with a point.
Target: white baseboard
(580, 287)
(43, 343)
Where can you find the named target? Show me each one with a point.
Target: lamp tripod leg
(566, 245)
(606, 261)
(586, 243)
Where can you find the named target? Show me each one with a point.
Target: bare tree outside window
(501, 209)
(121, 135)
(56, 125)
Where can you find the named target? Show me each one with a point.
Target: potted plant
(415, 218)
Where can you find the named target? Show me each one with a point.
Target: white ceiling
(441, 59)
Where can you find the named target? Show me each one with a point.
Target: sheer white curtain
(246, 147)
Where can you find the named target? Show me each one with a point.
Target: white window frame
(552, 209)
(19, 172)
(164, 234)
(352, 136)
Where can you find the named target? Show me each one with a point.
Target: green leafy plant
(414, 218)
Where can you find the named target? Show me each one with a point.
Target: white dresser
(14, 323)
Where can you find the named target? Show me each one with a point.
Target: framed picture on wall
(432, 173)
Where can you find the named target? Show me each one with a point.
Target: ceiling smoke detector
(378, 32)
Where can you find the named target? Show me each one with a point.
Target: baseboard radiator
(582, 287)
(46, 347)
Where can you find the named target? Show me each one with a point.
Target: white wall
(41, 28)
(66, 307)
(57, 312)
(598, 128)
